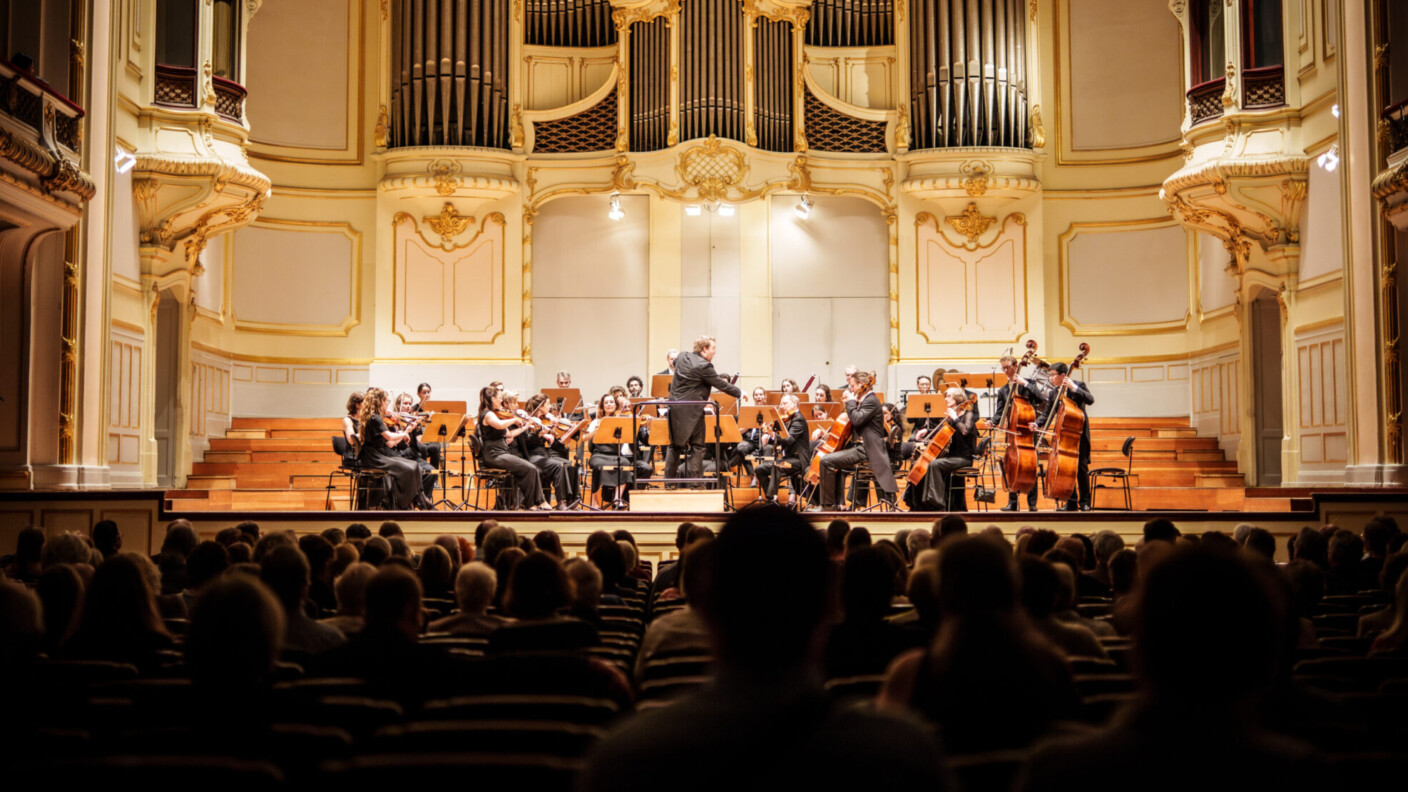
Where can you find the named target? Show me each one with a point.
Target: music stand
(442, 425)
(566, 400)
(462, 431)
(722, 429)
(814, 424)
(616, 431)
(444, 406)
(660, 385)
(651, 410)
(728, 405)
(759, 418)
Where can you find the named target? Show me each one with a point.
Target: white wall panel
(297, 74)
(841, 249)
(1321, 240)
(1216, 287)
(1128, 277)
(293, 277)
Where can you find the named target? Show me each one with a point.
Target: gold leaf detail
(971, 223)
(449, 223)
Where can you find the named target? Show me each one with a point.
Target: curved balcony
(1205, 101)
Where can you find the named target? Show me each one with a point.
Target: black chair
(980, 470)
(496, 480)
(355, 472)
(1119, 479)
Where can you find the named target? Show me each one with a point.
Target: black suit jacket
(868, 426)
(798, 443)
(1079, 394)
(694, 379)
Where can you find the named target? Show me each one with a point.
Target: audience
(350, 590)
(475, 585)
(285, 572)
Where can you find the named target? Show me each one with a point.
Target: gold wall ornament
(712, 168)
(1035, 129)
(1177, 7)
(446, 175)
(517, 136)
(1380, 57)
(448, 224)
(625, 17)
(383, 126)
(208, 83)
(976, 180)
(971, 223)
(1031, 10)
(902, 126)
(385, 9)
(1229, 91)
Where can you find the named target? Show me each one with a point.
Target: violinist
(422, 396)
(923, 426)
(932, 493)
(545, 451)
(634, 387)
(413, 449)
(818, 414)
(1035, 393)
(796, 452)
(497, 428)
(564, 379)
(1079, 393)
(612, 464)
(379, 442)
(754, 438)
(435, 452)
(350, 429)
(863, 409)
(821, 393)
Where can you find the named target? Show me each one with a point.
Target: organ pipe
(452, 67)
(851, 23)
(772, 84)
(967, 73)
(568, 23)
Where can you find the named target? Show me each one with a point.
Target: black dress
(497, 455)
(405, 475)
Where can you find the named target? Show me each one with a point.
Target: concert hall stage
(143, 515)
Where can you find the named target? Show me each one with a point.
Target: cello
(936, 446)
(836, 439)
(1019, 461)
(1063, 432)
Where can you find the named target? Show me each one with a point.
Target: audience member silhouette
(285, 572)
(119, 620)
(765, 723)
(474, 593)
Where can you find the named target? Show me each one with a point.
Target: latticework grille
(1205, 101)
(1397, 130)
(851, 23)
(175, 86)
(66, 131)
(23, 106)
(828, 130)
(568, 23)
(229, 100)
(1263, 88)
(593, 129)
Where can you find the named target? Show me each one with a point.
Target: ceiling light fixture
(804, 207)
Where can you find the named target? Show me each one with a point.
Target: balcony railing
(30, 101)
(1263, 87)
(1396, 120)
(1205, 101)
(175, 86)
(229, 99)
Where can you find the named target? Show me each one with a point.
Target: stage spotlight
(1330, 159)
(616, 213)
(804, 207)
(693, 210)
(124, 160)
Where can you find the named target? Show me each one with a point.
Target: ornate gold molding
(448, 224)
(1036, 131)
(56, 172)
(971, 224)
(383, 127)
(625, 17)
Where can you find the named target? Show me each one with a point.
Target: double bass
(836, 439)
(1063, 432)
(1019, 461)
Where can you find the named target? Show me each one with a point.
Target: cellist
(867, 421)
(1035, 393)
(932, 493)
(1077, 392)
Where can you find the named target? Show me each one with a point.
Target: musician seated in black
(896, 446)
(753, 438)
(867, 420)
(351, 430)
(414, 449)
(497, 428)
(613, 464)
(1035, 393)
(923, 426)
(634, 387)
(378, 449)
(547, 452)
(434, 451)
(1077, 392)
(932, 492)
(796, 450)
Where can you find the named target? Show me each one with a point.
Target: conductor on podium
(694, 380)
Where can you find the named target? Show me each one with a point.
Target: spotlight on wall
(1335, 111)
(693, 210)
(804, 207)
(725, 210)
(1330, 159)
(615, 213)
(124, 160)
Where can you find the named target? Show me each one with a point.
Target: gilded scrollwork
(971, 223)
(448, 224)
(383, 127)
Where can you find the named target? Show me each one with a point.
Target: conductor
(694, 379)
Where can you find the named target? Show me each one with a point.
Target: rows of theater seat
(218, 660)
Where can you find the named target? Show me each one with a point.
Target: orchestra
(1038, 439)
